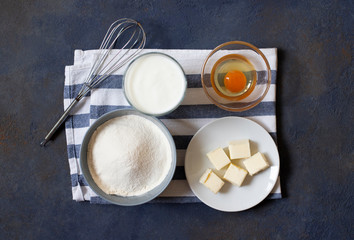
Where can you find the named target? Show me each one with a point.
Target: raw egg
(235, 81)
(233, 77)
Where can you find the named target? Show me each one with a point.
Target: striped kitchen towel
(195, 111)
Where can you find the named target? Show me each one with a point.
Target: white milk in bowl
(154, 83)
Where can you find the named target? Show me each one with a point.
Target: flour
(128, 156)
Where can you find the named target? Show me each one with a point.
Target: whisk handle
(59, 122)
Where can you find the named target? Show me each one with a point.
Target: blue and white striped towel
(195, 111)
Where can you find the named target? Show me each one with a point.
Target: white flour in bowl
(128, 156)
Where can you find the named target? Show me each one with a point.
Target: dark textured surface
(314, 111)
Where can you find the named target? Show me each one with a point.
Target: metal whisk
(133, 38)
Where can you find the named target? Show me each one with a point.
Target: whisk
(134, 38)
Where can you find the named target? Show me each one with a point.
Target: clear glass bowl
(150, 94)
(262, 76)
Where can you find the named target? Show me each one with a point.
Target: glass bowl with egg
(236, 76)
(154, 83)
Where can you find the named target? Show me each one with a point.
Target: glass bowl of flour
(154, 83)
(128, 158)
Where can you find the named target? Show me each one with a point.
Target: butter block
(218, 158)
(256, 163)
(211, 181)
(240, 149)
(235, 174)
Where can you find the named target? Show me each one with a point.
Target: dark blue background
(314, 113)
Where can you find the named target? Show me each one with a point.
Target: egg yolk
(235, 81)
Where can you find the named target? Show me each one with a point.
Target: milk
(155, 84)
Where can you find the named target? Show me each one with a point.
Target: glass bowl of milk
(154, 83)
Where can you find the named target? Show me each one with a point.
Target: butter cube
(211, 181)
(235, 175)
(239, 149)
(256, 163)
(218, 158)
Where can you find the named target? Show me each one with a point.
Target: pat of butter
(256, 163)
(211, 181)
(218, 158)
(235, 175)
(239, 149)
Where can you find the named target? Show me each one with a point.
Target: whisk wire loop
(107, 63)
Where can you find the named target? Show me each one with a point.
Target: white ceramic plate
(218, 134)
